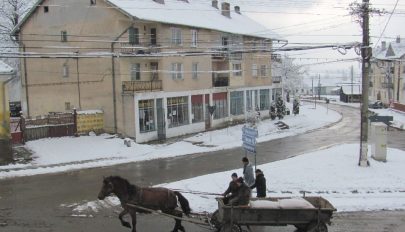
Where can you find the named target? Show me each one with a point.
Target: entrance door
(161, 119)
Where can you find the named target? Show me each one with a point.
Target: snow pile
(332, 173)
(69, 153)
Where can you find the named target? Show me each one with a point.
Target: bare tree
(291, 74)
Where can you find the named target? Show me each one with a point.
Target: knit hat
(258, 171)
(245, 159)
(234, 174)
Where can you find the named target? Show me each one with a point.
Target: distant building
(350, 93)
(387, 74)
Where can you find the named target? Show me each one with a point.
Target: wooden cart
(231, 218)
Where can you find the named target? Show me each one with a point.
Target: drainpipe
(26, 80)
(399, 79)
(78, 80)
(113, 86)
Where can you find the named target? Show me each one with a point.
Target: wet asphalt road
(33, 203)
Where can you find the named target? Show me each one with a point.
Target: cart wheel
(315, 227)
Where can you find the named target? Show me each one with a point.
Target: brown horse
(152, 198)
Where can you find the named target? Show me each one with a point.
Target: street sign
(249, 136)
(384, 119)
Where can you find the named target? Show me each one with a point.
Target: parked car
(376, 105)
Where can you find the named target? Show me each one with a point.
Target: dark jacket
(243, 196)
(233, 188)
(260, 185)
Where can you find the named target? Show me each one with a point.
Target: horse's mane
(131, 188)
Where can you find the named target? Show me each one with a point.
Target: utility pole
(366, 53)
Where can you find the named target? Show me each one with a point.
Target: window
(254, 70)
(92, 2)
(237, 69)
(197, 108)
(176, 36)
(133, 35)
(63, 36)
(237, 106)
(177, 111)
(67, 106)
(146, 116)
(264, 99)
(65, 70)
(136, 72)
(249, 100)
(403, 69)
(194, 38)
(195, 70)
(263, 70)
(153, 36)
(221, 104)
(177, 71)
(46, 9)
(225, 42)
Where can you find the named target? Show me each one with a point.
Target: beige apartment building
(388, 73)
(153, 66)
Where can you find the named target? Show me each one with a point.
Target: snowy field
(332, 173)
(70, 153)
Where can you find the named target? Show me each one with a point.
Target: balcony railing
(220, 79)
(128, 48)
(141, 86)
(387, 85)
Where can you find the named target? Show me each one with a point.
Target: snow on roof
(194, 13)
(5, 68)
(394, 50)
(352, 89)
(398, 49)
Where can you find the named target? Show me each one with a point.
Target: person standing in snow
(248, 172)
(244, 194)
(260, 184)
(232, 190)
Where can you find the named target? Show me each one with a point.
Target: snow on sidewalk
(71, 153)
(332, 173)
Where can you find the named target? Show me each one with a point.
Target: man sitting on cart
(243, 195)
(232, 190)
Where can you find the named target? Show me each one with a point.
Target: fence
(398, 106)
(56, 125)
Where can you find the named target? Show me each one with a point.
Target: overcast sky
(323, 21)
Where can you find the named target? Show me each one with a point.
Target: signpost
(249, 135)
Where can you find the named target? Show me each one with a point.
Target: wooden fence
(56, 125)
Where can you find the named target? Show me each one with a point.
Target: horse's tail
(185, 206)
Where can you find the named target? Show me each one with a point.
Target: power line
(385, 27)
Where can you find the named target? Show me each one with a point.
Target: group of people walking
(239, 190)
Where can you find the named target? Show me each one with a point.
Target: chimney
(226, 9)
(398, 39)
(383, 45)
(237, 9)
(215, 3)
(160, 1)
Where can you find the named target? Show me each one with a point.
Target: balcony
(276, 80)
(220, 79)
(141, 86)
(387, 85)
(139, 49)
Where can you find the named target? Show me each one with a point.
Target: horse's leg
(177, 225)
(124, 223)
(178, 222)
(133, 216)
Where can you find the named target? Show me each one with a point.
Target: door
(154, 71)
(161, 119)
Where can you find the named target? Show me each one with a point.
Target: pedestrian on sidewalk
(260, 184)
(248, 175)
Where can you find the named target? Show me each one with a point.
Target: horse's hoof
(182, 229)
(126, 224)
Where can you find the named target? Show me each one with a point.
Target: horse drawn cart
(311, 218)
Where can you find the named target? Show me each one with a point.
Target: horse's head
(107, 188)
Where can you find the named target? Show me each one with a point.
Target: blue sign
(249, 136)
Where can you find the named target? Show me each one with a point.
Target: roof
(5, 68)
(394, 50)
(352, 89)
(192, 13)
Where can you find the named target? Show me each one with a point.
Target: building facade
(153, 67)
(388, 72)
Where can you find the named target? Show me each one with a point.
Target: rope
(198, 222)
(196, 192)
